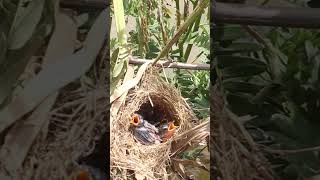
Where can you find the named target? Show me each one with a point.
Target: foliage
(23, 29)
(119, 60)
(51, 61)
(279, 85)
(156, 23)
(194, 86)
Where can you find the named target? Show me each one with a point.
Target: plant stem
(122, 60)
(120, 21)
(160, 19)
(178, 16)
(196, 13)
(189, 47)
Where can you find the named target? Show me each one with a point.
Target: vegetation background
(53, 88)
(271, 74)
(150, 25)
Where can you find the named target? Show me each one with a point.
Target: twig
(171, 65)
(237, 14)
(178, 17)
(160, 19)
(195, 29)
(291, 151)
(267, 16)
(257, 36)
(273, 51)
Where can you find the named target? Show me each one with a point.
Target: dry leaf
(56, 76)
(129, 84)
(21, 136)
(117, 104)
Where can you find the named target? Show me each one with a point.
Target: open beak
(82, 175)
(135, 120)
(171, 126)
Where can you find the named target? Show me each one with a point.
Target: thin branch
(161, 23)
(257, 36)
(167, 64)
(274, 53)
(292, 151)
(266, 16)
(237, 13)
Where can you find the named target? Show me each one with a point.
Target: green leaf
(25, 22)
(243, 70)
(118, 68)
(238, 86)
(3, 47)
(114, 58)
(231, 32)
(240, 104)
(238, 66)
(18, 60)
(311, 50)
(239, 47)
(283, 124)
(229, 61)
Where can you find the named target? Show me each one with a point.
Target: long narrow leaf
(58, 75)
(22, 135)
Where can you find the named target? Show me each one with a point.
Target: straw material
(154, 99)
(234, 153)
(76, 123)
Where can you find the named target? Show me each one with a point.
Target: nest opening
(157, 109)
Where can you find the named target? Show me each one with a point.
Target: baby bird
(143, 131)
(87, 172)
(167, 130)
(82, 175)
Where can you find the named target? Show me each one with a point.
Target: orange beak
(135, 120)
(171, 126)
(83, 175)
(171, 130)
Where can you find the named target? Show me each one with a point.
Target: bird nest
(72, 142)
(234, 154)
(155, 100)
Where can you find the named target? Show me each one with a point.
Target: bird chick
(82, 175)
(167, 131)
(87, 172)
(143, 131)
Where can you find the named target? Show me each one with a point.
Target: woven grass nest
(65, 144)
(154, 99)
(63, 150)
(234, 153)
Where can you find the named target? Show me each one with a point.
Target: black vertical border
(213, 77)
(108, 73)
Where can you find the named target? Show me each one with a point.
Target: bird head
(136, 120)
(82, 175)
(171, 126)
